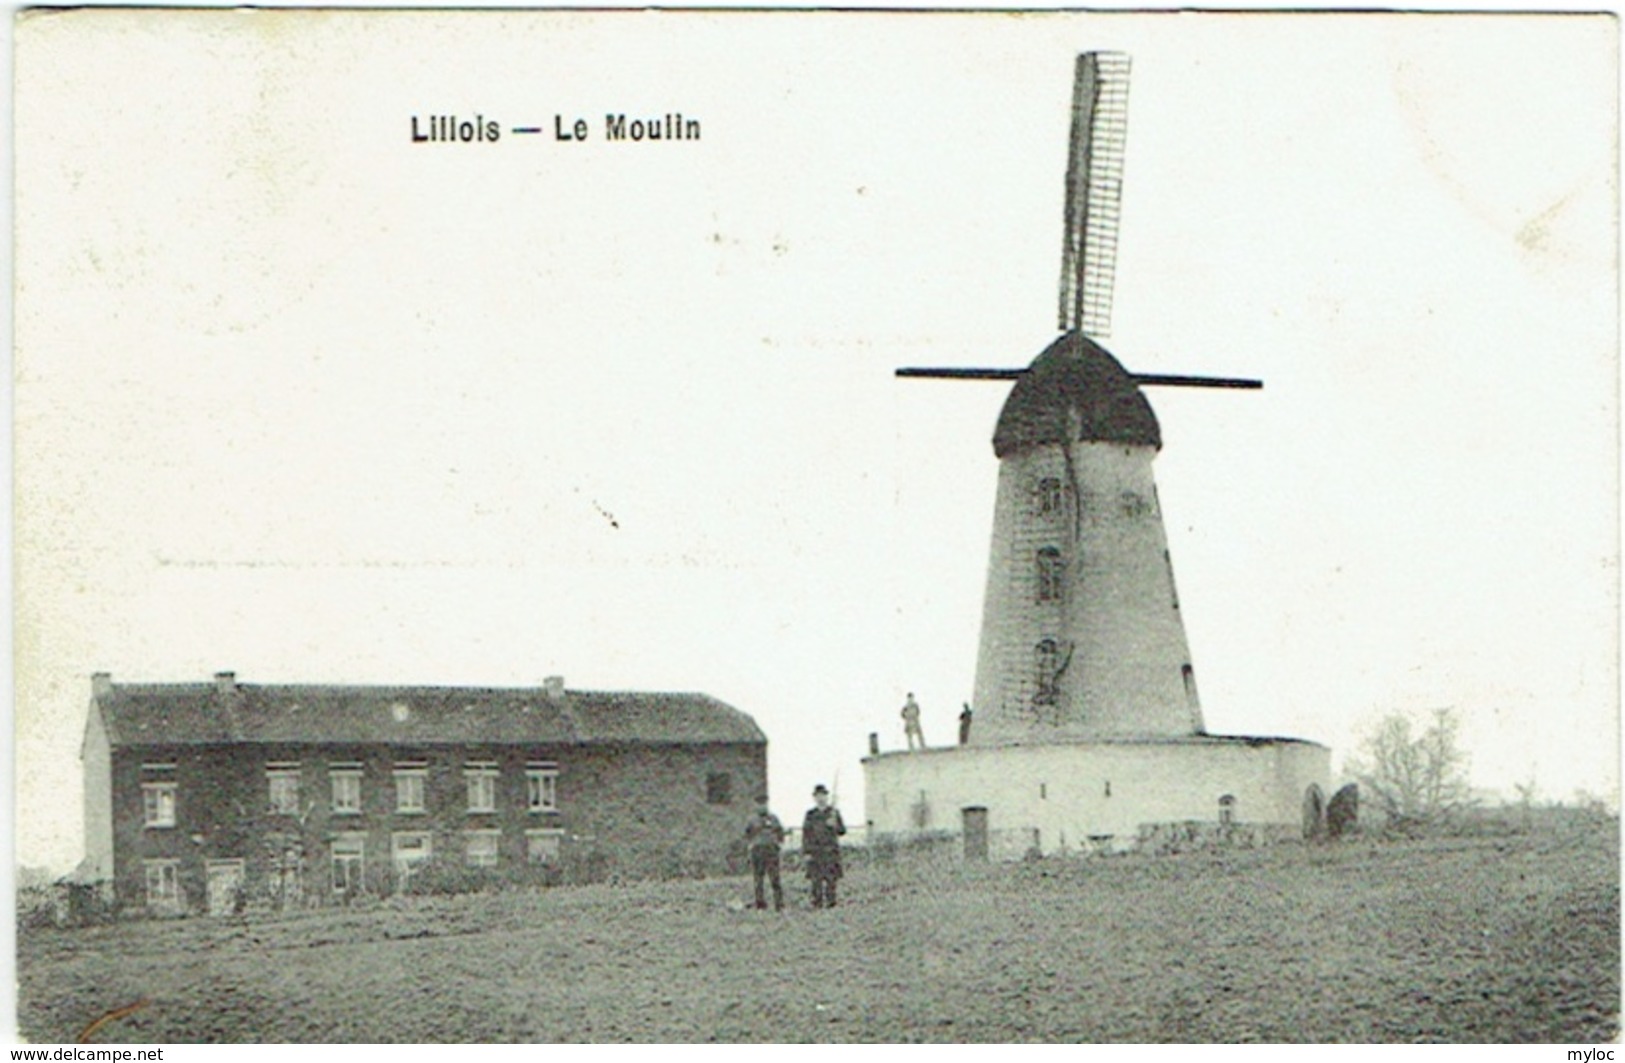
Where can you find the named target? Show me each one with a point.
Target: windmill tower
(1088, 733)
(1082, 638)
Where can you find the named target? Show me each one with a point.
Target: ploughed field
(1498, 939)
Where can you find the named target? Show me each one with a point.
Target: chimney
(553, 685)
(101, 684)
(874, 743)
(225, 682)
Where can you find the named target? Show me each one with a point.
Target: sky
(300, 398)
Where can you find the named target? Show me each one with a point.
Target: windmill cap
(1075, 375)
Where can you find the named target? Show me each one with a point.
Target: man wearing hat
(821, 847)
(763, 834)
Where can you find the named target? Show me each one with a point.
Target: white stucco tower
(1081, 630)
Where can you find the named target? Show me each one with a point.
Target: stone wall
(637, 810)
(1190, 836)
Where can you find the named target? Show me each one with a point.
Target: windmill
(1082, 637)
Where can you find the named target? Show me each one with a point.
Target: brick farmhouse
(204, 797)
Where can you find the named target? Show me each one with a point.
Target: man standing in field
(821, 847)
(764, 833)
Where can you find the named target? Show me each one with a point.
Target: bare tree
(1416, 778)
(1527, 792)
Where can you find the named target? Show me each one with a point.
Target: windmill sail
(1094, 191)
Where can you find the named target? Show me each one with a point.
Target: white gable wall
(98, 797)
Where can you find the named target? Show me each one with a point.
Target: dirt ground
(1508, 939)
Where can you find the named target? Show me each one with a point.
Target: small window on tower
(1051, 570)
(1134, 505)
(1047, 658)
(1049, 496)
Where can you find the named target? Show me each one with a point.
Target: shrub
(444, 877)
(36, 908)
(582, 866)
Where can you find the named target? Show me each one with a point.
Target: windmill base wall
(1071, 797)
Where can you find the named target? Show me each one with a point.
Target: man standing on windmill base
(911, 724)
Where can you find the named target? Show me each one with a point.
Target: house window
(482, 848)
(346, 789)
(1047, 660)
(541, 786)
(1051, 569)
(284, 788)
(409, 788)
(1188, 674)
(482, 786)
(349, 862)
(543, 845)
(719, 787)
(158, 804)
(409, 851)
(1227, 810)
(1049, 496)
(163, 885)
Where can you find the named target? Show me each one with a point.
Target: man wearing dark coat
(762, 835)
(821, 847)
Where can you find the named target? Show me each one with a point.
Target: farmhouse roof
(228, 713)
(1075, 391)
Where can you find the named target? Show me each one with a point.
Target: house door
(974, 820)
(225, 879)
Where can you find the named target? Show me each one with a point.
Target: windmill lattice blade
(1143, 379)
(1094, 191)
(961, 374)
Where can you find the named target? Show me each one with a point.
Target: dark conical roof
(1077, 382)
